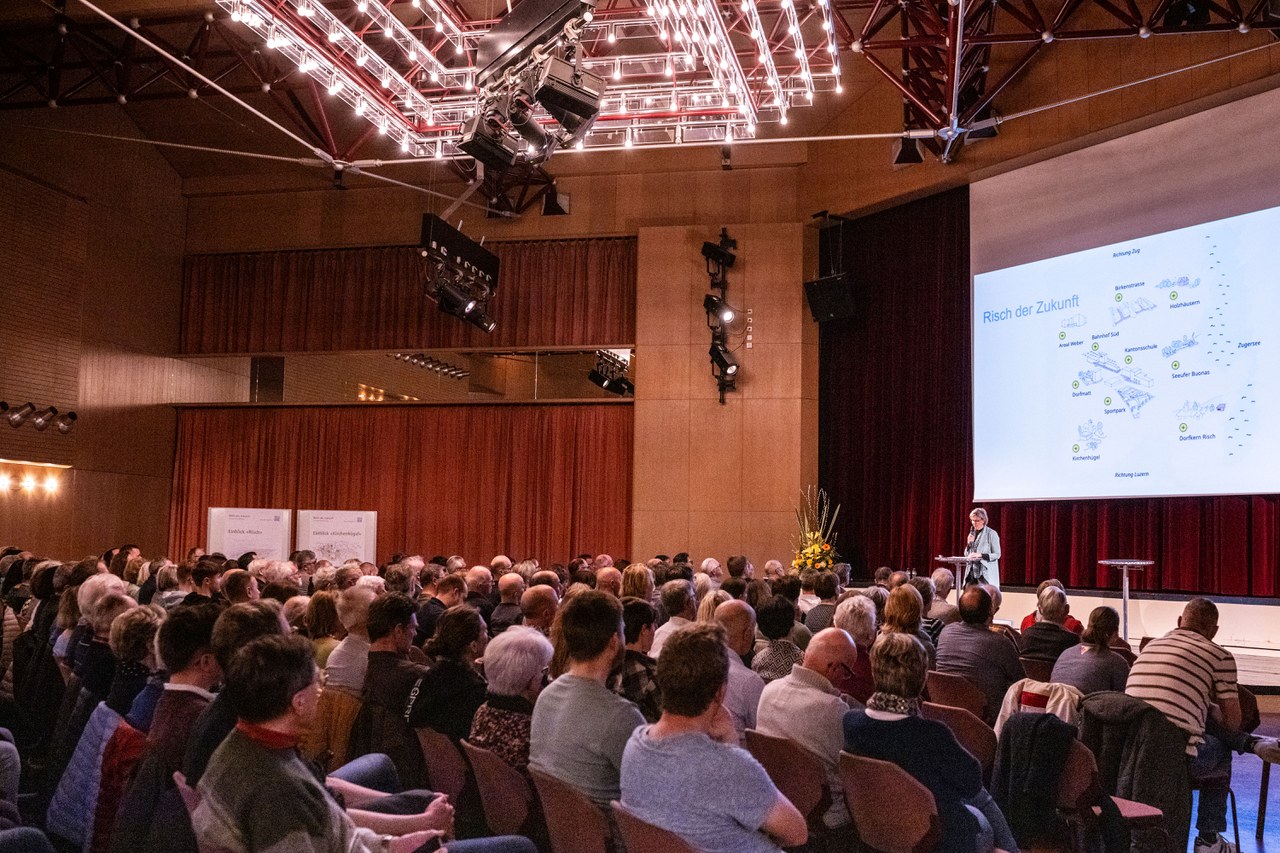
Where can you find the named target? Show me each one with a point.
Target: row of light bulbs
(28, 483)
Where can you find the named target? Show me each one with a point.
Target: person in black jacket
(1046, 639)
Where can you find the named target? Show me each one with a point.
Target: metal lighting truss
(676, 70)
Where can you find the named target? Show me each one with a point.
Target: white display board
(234, 531)
(1142, 368)
(337, 535)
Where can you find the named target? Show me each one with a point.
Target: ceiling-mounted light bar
(833, 47)
(697, 28)
(764, 53)
(801, 52)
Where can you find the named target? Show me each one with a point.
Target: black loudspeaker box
(831, 298)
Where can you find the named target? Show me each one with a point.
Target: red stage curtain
(896, 429)
(551, 293)
(528, 481)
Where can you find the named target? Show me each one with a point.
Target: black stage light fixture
(715, 253)
(623, 386)
(906, 152)
(568, 88)
(530, 25)
(722, 359)
(717, 308)
(527, 126)
(482, 321)
(452, 300)
(600, 379)
(483, 139)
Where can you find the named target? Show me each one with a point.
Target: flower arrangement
(816, 542)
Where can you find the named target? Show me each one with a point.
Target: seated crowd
(248, 705)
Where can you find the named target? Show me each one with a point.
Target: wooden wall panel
(710, 479)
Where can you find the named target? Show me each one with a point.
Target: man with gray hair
(743, 688)
(680, 603)
(773, 571)
(711, 568)
(942, 610)
(1047, 638)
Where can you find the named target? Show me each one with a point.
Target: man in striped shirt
(1192, 681)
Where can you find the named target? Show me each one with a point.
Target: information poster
(337, 535)
(236, 531)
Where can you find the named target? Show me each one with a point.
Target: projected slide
(1144, 368)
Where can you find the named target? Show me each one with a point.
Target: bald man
(538, 607)
(507, 611)
(546, 577)
(743, 688)
(609, 580)
(479, 590)
(805, 707)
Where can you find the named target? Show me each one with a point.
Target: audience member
(580, 726)
(942, 610)
(347, 664)
(637, 582)
(515, 664)
(856, 615)
(450, 591)
(507, 611)
(891, 729)
(206, 579)
(740, 567)
(452, 689)
(931, 627)
(775, 619)
(735, 588)
(634, 677)
(882, 577)
(1071, 623)
(239, 586)
(970, 649)
(680, 604)
(742, 692)
(713, 570)
(609, 579)
(538, 606)
(685, 773)
(897, 579)
(902, 616)
(132, 640)
(819, 616)
(774, 571)
(1092, 665)
(322, 624)
(1046, 639)
(1184, 674)
(805, 706)
(706, 611)
(480, 591)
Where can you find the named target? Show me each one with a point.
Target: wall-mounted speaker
(831, 298)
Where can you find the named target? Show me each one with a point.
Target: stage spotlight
(723, 359)
(600, 379)
(623, 386)
(452, 300)
(42, 420)
(718, 308)
(65, 422)
(18, 416)
(482, 321)
(718, 254)
(483, 138)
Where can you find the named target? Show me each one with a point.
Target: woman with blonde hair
(707, 609)
(637, 582)
(902, 614)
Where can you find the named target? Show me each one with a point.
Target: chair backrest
(574, 822)
(892, 811)
(329, 735)
(947, 688)
(1078, 785)
(446, 768)
(1038, 669)
(972, 733)
(1250, 719)
(797, 773)
(504, 793)
(642, 837)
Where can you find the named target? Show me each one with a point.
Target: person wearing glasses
(515, 662)
(982, 547)
(805, 707)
